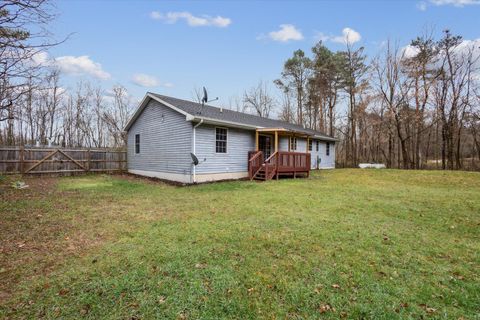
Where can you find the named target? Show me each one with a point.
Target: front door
(265, 145)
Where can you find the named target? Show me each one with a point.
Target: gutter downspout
(194, 149)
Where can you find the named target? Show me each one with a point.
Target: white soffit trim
(223, 122)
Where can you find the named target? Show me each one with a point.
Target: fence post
(88, 160)
(22, 159)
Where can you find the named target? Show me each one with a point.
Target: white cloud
(464, 48)
(456, 3)
(409, 51)
(423, 5)
(349, 36)
(145, 80)
(41, 58)
(193, 21)
(286, 33)
(81, 65)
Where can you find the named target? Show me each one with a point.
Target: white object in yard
(372, 165)
(19, 185)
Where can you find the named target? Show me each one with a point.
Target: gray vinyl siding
(301, 144)
(327, 161)
(316, 155)
(239, 143)
(283, 143)
(165, 142)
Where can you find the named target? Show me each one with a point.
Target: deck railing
(255, 160)
(271, 165)
(293, 162)
(281, 162)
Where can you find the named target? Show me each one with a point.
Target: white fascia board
(326, 138)
(168, 104)
(222, 122)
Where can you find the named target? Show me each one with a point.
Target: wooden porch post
(308, 140)
(256, 140)
(276, 141)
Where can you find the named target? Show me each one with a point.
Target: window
(220, 140)
(137, 143)
(293, 143)
(310, 144)
(317, 145)
(328, 149)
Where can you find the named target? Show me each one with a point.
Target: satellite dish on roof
(205, 100)
(205, 96)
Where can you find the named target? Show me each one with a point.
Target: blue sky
(228, 46)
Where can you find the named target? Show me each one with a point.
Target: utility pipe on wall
(194, 149)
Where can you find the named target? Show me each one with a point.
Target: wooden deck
(280, 163)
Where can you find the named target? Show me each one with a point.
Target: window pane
(221, 140)
(137, 143)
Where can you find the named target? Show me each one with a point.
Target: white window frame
(226, 140)
(292, 144)
(327, 149)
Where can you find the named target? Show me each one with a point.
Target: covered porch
(272, 159)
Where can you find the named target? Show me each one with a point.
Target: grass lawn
(383, 244)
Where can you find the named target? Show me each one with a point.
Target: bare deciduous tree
(259, 100)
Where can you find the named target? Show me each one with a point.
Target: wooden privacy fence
(53, 160)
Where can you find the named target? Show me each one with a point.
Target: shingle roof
(197, 110)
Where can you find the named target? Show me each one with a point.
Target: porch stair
(260, 175)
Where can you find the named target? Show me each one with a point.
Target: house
(188, 142)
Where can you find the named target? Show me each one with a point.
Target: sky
(172, 47)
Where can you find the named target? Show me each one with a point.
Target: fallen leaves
(335, 286)
(428, 309)
(200, 265)
(403, 305)
(318, 289)
(326, 308)
(63, 292)
(85, 309)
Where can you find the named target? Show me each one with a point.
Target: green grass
(383, 244)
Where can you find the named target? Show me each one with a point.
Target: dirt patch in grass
(34, 237)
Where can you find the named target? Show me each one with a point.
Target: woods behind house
(411, 107)
(407, 107)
